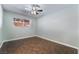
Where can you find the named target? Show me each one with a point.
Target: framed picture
(21, 22)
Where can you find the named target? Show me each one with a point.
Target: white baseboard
(59, 42)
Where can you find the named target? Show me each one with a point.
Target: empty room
(39, 29)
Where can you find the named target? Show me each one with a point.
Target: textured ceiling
(47, 8)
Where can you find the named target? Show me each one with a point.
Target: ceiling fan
(34, 9)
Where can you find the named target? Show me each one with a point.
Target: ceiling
(47, 8)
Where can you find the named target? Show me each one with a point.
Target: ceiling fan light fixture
(33, 12)
(35, 9)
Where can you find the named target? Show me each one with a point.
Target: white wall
(60, 26)
(12, 32)
(78, 23)
(1, 17)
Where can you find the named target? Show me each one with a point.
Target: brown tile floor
(35, 45)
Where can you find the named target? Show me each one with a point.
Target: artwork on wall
(21, 22)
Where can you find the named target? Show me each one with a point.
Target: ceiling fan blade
(28, 9)
(37, 13)
(40, 10)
